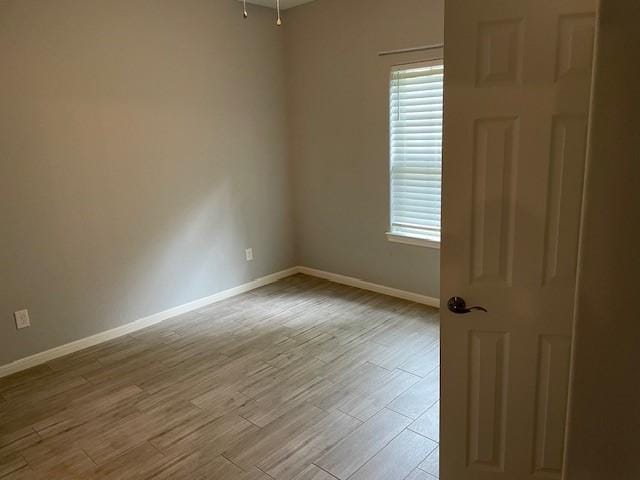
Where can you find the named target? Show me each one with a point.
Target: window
(416, 101)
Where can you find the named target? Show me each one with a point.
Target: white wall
(142, 148)
(604, 428)
(338, 132)
(144, 145)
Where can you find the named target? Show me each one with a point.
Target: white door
(517, 84)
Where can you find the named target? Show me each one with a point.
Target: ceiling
(284, 4)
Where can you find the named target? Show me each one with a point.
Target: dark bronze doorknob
(459, 306)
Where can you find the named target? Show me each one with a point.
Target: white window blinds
(416, 101)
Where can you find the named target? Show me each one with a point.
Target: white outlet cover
(22, 319)
(249, 254)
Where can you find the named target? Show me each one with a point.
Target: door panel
(554, 357)
(566, 171)
(517, 87)
(493, 207)
(488, 378)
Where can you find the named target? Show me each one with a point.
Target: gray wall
(338, 126)
(142, 148)
(604, 429)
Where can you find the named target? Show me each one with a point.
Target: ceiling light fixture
(278, 19)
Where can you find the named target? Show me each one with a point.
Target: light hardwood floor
(302, 379)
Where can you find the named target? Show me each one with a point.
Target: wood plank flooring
(299, 380)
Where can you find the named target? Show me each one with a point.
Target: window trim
(402, 237)
(405, 239)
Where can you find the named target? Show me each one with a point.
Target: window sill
(415, 241)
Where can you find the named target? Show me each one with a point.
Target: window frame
(395, 236)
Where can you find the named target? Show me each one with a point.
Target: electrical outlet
(22, 319)
(249, 254)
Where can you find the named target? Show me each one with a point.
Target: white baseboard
(43, 357)
(145, 322)
(374, 287)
